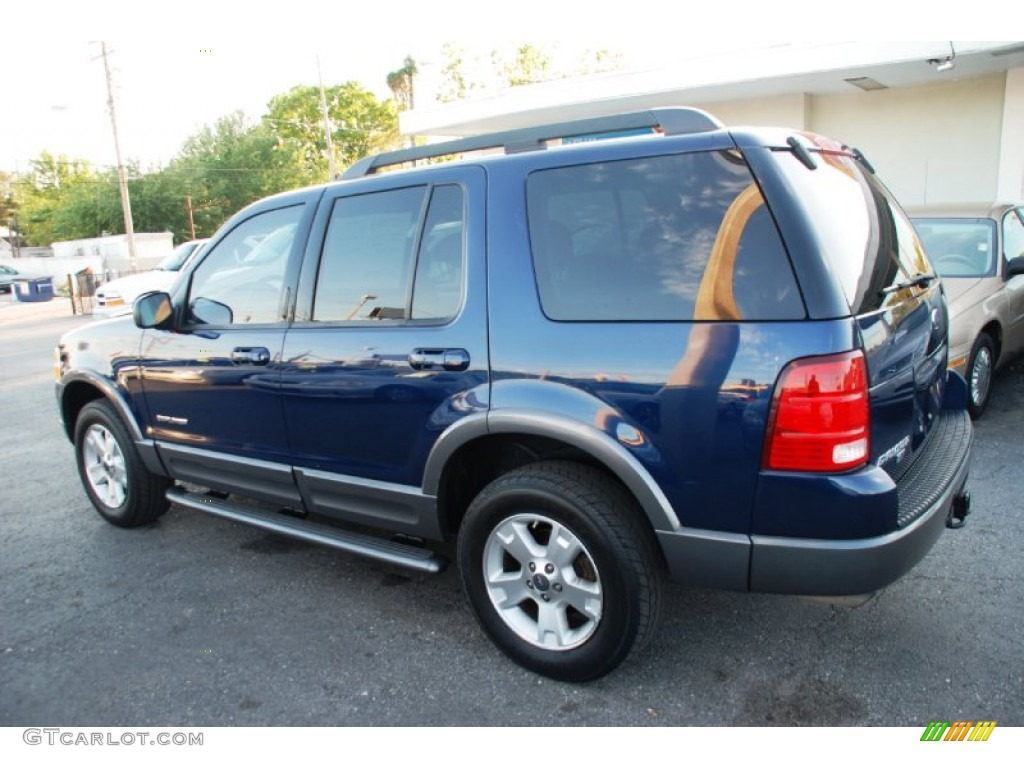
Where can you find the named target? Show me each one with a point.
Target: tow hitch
(959, 510)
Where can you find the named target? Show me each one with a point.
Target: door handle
(439, 359)
(250, 355)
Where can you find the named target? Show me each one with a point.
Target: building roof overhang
(791, 68)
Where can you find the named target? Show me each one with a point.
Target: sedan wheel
(979, 374)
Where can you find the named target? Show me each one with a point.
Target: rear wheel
(561, 569)
(123, 491)
(979, 374)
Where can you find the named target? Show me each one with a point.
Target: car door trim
(264, 480)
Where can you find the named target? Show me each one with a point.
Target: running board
(407, 556)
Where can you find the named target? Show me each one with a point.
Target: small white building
(941, 121)
(109, 255)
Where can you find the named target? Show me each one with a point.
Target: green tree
(158, 202)
(455, 83)
(360, 124)
(593, 62)
(89, 208)
(8, 203)
(528, 64)
(463, 74)
(401, 83)
(226, 166)
(43, 198)
(221, 168)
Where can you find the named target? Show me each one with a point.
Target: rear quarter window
(668, 238)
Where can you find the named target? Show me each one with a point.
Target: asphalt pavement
(197, 621)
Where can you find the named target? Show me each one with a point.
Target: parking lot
(199, 621)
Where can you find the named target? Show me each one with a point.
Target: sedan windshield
(959, 247)
(174, 261)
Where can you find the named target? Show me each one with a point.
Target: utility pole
(126, 203)
(327, 124)
(191, 221)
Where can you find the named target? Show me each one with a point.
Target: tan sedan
(978, 250)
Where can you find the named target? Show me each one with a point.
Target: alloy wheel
(543, 582)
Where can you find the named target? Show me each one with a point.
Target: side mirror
(153, 310)
(210, 312)
(1015, 267)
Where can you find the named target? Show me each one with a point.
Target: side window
(384, 260)
(679, 237)
(437, 293)
(240, 280)
(1013, 236)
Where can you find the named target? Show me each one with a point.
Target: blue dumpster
(34, 289)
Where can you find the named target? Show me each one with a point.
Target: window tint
(240, 280)
(677, 237)
(369, 270)
(867, 239)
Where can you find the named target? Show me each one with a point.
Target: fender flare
(606, 450)
(146, 447)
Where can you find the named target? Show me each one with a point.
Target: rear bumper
(832, 567)
(849, 567)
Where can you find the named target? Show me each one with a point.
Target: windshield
(178, 256)
(959, 247)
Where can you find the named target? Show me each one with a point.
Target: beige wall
(932, 144)
(789, 111)
(1011, 160)
(939, 143)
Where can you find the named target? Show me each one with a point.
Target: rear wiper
(922, 279)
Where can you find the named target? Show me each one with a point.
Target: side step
(347, 541)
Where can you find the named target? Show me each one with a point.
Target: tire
(574, 612)
(980, 368)
(118, 484)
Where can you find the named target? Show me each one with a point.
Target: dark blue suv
(620, 350)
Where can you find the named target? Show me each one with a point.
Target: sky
(178, 66)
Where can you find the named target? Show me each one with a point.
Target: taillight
(819, 417)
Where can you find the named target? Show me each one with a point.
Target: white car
(117, 296)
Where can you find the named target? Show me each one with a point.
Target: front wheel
(979, 374)
(561, 569)
(123, 491)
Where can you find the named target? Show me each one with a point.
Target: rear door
(389, 346)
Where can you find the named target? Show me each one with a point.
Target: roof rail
(672, 121)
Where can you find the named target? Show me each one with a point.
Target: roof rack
(672, 121)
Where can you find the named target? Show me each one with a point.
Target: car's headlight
(112, 299)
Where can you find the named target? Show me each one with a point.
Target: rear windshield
(959, 247)
(868, 241)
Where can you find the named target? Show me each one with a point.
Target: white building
(110, 254)
(941, 121)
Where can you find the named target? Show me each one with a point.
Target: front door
(210, 384)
